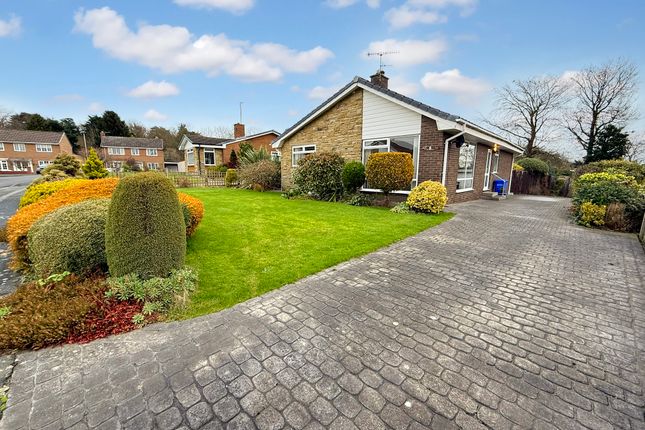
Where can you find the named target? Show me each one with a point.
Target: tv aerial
(380, 58)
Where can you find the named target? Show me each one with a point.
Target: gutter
(446, 144)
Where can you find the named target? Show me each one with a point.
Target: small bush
(145, 232)
(18, 225)
(590, 214)
(94, 167)
(517, 168)
(401, 208)
(38, 191)
(71, 239)
(320, 174)
(629, 168)
(534, 165)
(158, 295)
(428, 197)
(389, 171)
(230, 180)
(359, 200)
(66, 163)
(43, 315)
(260, 176)
(353, 176)
(604, 188)
(193, 212)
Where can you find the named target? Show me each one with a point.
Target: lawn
(249, 243)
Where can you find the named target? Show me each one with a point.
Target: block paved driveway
(508, 316)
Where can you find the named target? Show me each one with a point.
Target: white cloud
(11, 26)
(152, 89)
(95, 107)
(174, 49)
(409, 52)
(567, 76)
(340, 4)
(153, 115)
(322, 93)
(466, 90)
(404, 16)
(233, 6)
(466, 6)
(403, 86)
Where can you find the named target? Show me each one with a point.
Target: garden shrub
(94, 167)
(428, 197)
(43, 315)
(193, 210)
(66, 163)
(38, 191)
(71, 238)
(158, 294)
(145, 232)
(534, 165)
(353, 176)
(629, 168)
(360, 200)
(389, 171)
(18, 225)
(401, 208)
(320, 174)
(590, 214)
(230, 180)
(261, 175)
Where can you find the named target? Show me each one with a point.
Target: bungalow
(201, 152)
(27, 151)
(365, 117)
(144, 152)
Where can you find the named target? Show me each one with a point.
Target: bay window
(466, 170)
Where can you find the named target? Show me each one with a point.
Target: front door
(489, 156)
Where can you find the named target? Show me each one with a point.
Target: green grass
(249, 243)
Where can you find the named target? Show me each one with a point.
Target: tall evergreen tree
(611, 144)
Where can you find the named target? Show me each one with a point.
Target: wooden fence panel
(189, 180)
(541, 185)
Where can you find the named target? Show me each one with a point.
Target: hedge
(195, 212)
(353, 176)
(145, 232)
(630, 168)
(38, 191)
(320, 174)
(534, 165)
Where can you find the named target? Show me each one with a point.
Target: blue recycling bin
(499, 186)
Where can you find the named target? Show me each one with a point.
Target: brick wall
(339, 129)
(430, 160)
(256, 143)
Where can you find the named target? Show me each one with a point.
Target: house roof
(30, 136)
(131, 142)
(401, 99)
(253, 136)
(198, 139)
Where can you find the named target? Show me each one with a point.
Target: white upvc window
(116, 151)
(21, 166)
(275, 155)
(4, 165)
(209, 157)
(151, 152)
(43, 148)
(406, 144)
(466, 167)
(190, 157)
(300, 152)
(43, 163)
(1, 146)
(134, 151)
(495, 162)
(116, 165)
(19, 147)
(153, 166)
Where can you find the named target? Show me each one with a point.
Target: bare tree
(636, 148)
(137, 129)
(5, 118)
(220, 131)
(526, 111)
(602, 95)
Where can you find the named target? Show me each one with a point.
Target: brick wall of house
(30, 154)
(430, 160)
(141, 158)
(339, 129)
(256, 143)
(200, 160)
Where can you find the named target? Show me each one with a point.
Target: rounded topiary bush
(145, 232)
(429, 197)
(71, 239)
(534, 165)
(320, 174)
(353, 176)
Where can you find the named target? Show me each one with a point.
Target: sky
(166, 62)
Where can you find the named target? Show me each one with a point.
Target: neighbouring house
(201, 152)
(365, 117)
(146, 153)
(27, 151)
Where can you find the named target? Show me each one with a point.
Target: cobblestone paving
(506, 317)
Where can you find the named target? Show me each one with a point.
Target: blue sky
(200, 58)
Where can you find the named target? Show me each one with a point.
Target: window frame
(134, 151)
(495, 166)
(153, 166)
(19, 145)
(210, 151)
(1, 146)
(112, 150)
(43, 163)
(190, 153)
(152, 152)
(304, 152)
(4, 165)
(472, 172)
(416, 145)
(45, 146)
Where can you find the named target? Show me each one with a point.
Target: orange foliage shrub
(18, 225)
(389, 171)
(196, 209)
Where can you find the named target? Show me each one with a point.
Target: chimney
(238, 130)
(379, 78)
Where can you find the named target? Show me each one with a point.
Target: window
(43, 163)
(4, 165)
(495, 162)
(134, 151)
(209, 157)
(151, 152)
(466, 168)
(407, 144)
(1, 146)
(19, 147)
(275, 155)
(190, 157)
(116, 165)
(300, 152)
(116, 151)
(43, 148)
(153, 166)
(21, 166)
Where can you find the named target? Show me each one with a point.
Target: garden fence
(543, 185)
(190, 179)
